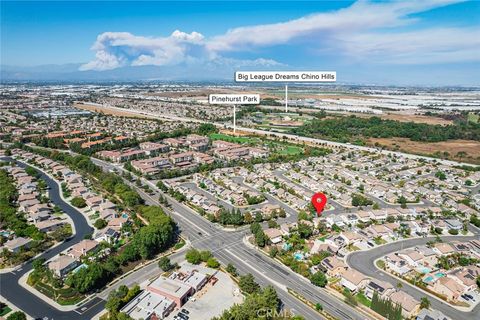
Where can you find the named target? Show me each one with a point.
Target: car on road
(183, 316)
(185, 311)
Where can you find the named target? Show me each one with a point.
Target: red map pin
(319, 200)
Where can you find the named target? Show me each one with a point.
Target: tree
(17, 315)
(193, 256)
(349, 297)
(261, 238)
(213, 263)
(304, 230)
(247, 284)
(206, 128)
(247, 217)
(441, 175)
(403, 202)
(100, 223)
(319, 279)
(231, 269)
(205, 255)
(273, 252)
(359, 200)
(79, 202)
(254, 227)
(165, 264)
(424, 303)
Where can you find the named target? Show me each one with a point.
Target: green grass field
(291, 150)
(472, 117)
(224, 137)
(363, 300)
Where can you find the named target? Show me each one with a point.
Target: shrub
(79, 202)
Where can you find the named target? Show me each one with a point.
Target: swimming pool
(424, 270)
(298, 256)
(434, 277)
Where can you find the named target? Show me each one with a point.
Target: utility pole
(286, 98)
(234, 119)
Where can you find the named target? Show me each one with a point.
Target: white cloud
(119, 49)
(441, 45)
(366, 31)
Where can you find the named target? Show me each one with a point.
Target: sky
(406, 42)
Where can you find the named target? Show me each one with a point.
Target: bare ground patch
(110, 111)
(455, 148)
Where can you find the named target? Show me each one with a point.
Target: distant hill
(71, 72)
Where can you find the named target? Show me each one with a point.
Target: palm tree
(424, 303)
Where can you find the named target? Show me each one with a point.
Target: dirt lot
(416, 118)
(470, 147)
(106, 110)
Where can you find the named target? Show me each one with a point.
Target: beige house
(334, 266)
(449, 288)
(62, 265)
(82, 248)
(354, 280)
(410, 306)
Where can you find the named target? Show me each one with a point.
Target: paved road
(228, 247)
(291, 137)
(363, 261)
(22, 298)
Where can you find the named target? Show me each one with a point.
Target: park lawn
(224, 137)
(291, 150)
(363, 300)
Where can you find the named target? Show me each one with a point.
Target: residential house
(62, 265)
(449, 288)
(334, 266)
(382, 288)
(274, 235)
(354, 280)
(397, 264)
(82, 248)
(410, 306)
(15, 245)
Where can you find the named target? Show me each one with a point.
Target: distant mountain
(71, 72)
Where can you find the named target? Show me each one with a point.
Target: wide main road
(11, 290)
(229, 247)
(364, 261)
(291, 137)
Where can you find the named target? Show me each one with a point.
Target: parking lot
(211, 300)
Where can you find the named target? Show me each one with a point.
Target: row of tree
(350, 128)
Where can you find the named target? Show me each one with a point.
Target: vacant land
(461, 150)
(107, 110)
